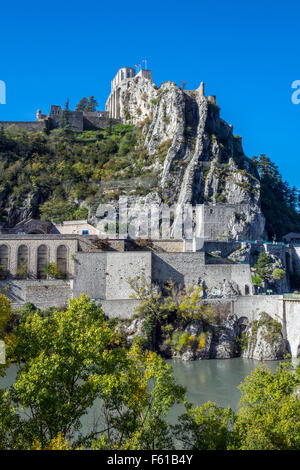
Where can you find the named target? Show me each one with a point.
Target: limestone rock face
(197, 159)
(195, 327)
(265, 341)
(226, 289)
(242, 255)
(224, 344)
(134, 330)
(260, 339)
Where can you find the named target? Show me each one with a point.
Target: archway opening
(62, 259)
(42, 260)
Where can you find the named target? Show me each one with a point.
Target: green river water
(212, 380)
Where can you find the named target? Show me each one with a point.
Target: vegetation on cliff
(279, 201)
(58, 176)
(64, 175)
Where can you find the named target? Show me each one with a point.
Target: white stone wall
(251, 307)
(119, 308)
(189, 268)
(43, 294)
(292, 314)
(296, 259)
(121, 266)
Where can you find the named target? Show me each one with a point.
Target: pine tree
(64, 117)
(278, 200)
(81, 106)
(92, 104)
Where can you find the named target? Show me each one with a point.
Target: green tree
(279, 201)
(278, 274)
(81, 106)
(207, 427)
(92, 104)
(269, 413)
(72, 359)
(88, 105)
(64, 122)
(264, 270)
(58, 211)
(159, 311)
(52, 271)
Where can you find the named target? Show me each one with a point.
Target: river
(215, 380)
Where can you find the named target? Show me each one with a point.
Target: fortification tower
(112, 106)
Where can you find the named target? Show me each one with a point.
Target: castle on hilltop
(78, 120)
(125, 74)
(82, 120)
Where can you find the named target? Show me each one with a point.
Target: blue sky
(247, 53)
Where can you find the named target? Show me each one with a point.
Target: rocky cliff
(192, 151)
(263, 339)
(260, 339)
(179, 143)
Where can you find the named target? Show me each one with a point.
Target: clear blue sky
(247, 53)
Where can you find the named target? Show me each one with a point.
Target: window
(247, 291)
(23, 259)
(61, 259)
(4, 257)
(42, 260)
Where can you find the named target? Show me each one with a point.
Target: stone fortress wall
(295, 256)
(280, 308)
(78, 121)
(104, 276)
(30, 126)
(41, 293)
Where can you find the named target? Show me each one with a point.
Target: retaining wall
(42, 294)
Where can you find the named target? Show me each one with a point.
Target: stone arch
(42, 260)
(4, 257)
(22, 257)
(62, 259)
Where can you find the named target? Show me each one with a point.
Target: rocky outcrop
(226, 290)
(241, 255)
(194, 153)
(29, 208)
(264, 340)
(225, 340)
(261, 339)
